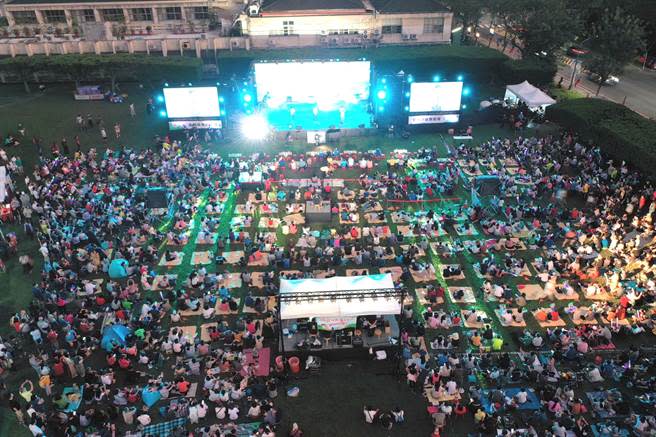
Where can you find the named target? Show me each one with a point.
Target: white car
(612, 80)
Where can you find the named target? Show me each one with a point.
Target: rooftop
(310, 5)
(407, 6)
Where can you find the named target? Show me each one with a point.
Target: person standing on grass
(117, 131)
(133, 113)
(64, 145)
(103, 134)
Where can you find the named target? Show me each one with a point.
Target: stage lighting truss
(347, 295)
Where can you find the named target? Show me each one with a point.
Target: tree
(469, 12)
(615, 39)
(24, 67)
(544, 27)
(508, 12)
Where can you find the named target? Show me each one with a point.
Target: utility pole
(576, 64)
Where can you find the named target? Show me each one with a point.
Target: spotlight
(465, 91)
(436, 78)
(410, 79)
(166, 84)
(406, 108)
(464, 106)
(189, 84)
(247, 98)
(162, 113)
(160, 98)
(382, 94)
(384, 80)
(221, 99)
(255, 127)
(223, 112)
(407, 94)
(381, 109)
(460, 78)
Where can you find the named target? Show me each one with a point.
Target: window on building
(288, 28)
(112, 14)
(24, 17)
(434, 25)
(88, 16)
(392, 26)
(56, 16)
(141, 14)
(173, 13)
(201, 13)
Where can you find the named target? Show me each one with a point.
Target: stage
(301, 116)
(340, 339)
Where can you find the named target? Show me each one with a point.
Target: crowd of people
(107, 332)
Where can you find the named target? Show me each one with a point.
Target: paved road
(638, 87)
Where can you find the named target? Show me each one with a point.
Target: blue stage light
(406, 108)
(166, 84)
(407, 94)
(465, 91)
(381, 109)
(464, 106)
(160, 98)
(221, 99)
(381, 94)
(223, 112)
(436, 78)
(247, 98)
(460, 78)
(384, 80)
(410, 79)
(162, 113)
(189, 84)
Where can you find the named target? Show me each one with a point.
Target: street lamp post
(576, 64)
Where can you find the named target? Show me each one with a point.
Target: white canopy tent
(533, 97)
(353, 297)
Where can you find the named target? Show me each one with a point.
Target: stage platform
(303, 118)
(331, 341)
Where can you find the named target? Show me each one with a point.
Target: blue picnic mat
(602, 430)
(73, 405)
(532, 401)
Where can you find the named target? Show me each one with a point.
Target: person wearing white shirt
(521, 397)
(233, 412)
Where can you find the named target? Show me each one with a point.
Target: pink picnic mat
(261, 363)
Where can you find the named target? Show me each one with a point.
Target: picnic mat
(233, 257)
(207, 239)
(262, 361)
(261, 261)
(549, 323)
(227, 312)
(175, 262)
(203, 257)
(204, 331)
(426, 275)
(532, 401)
(532, 291)
(231, 280)
(428, 390)
(187, 331)
(460, 277)
(576, 317)
(503, 323)
(421, 293)
(474, 325)
(269, 222)
(467, 298)
(395, 271)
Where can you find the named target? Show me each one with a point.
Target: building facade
(337, 23)
(196, 26)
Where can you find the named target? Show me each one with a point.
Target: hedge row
(121, 66)
(618, 131)
(423, 62)
(479, 64)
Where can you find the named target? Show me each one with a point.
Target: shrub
(618, 131)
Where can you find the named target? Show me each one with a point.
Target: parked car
(612, 80)
(577, 51)
(648, 61)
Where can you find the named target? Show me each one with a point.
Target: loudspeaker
(157, 198)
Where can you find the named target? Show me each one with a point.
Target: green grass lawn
(51, 116)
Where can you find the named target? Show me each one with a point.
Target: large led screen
(435, 96)
(324, 83)
(192, 102)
